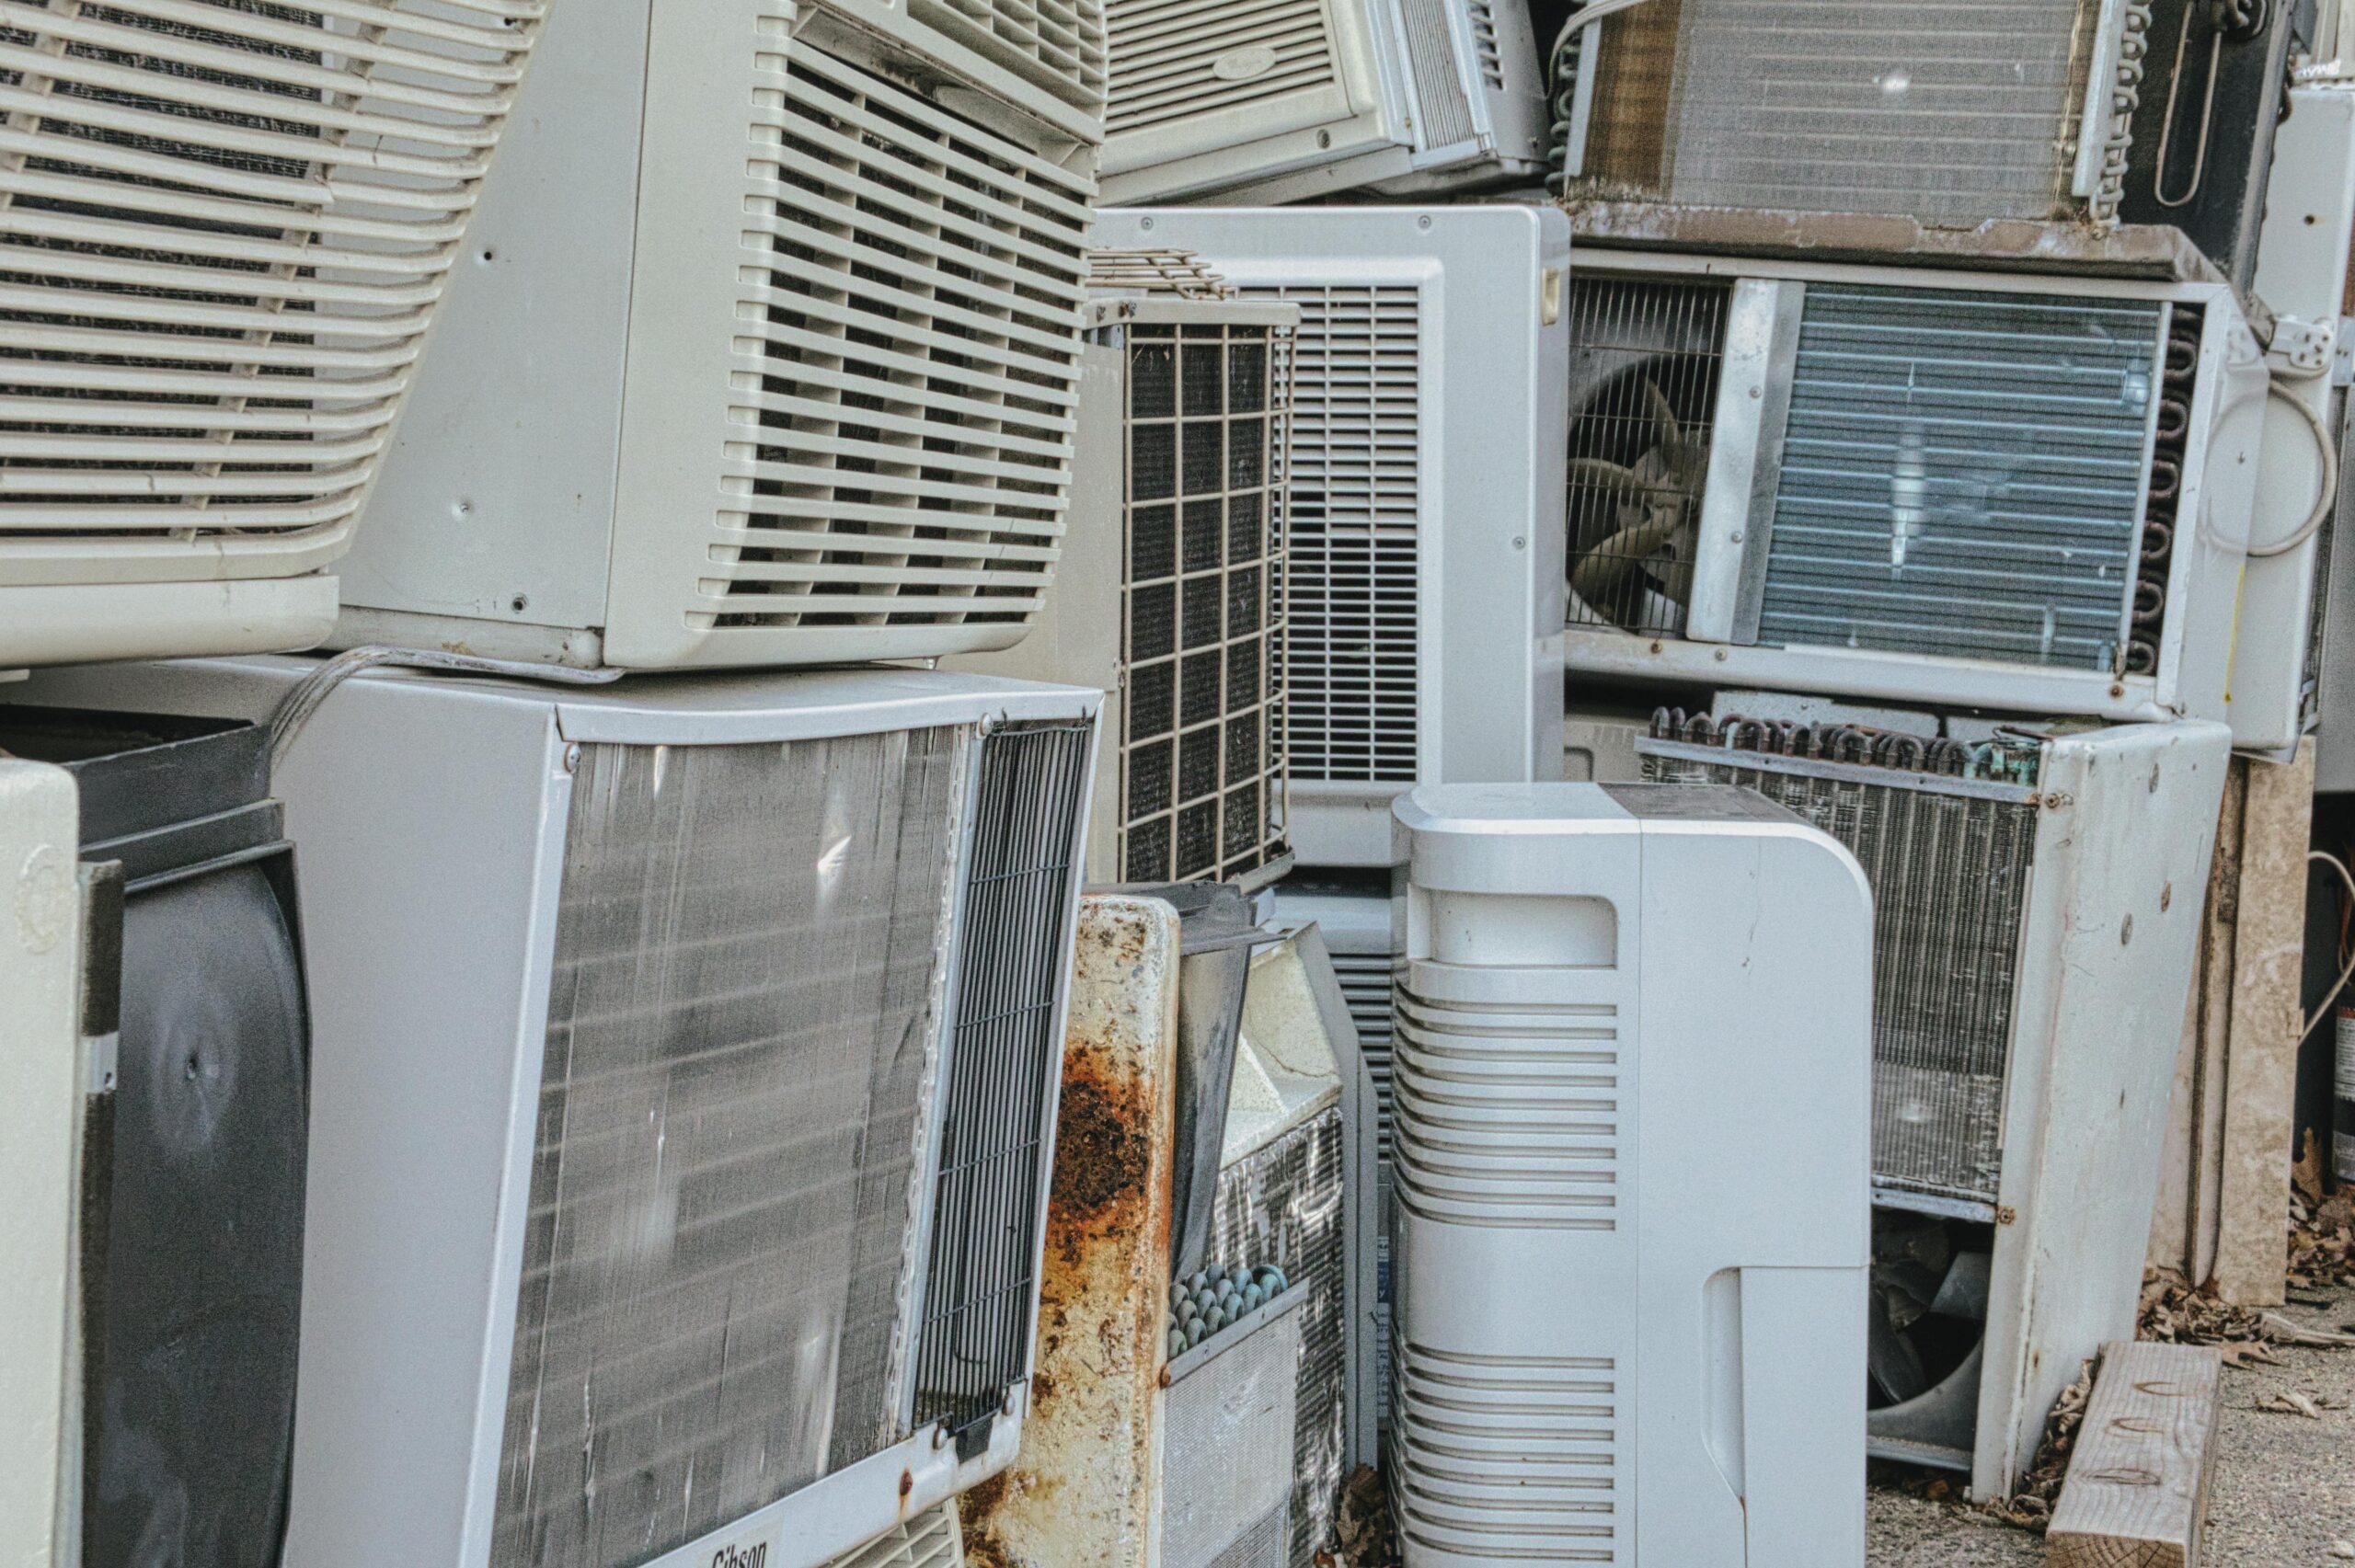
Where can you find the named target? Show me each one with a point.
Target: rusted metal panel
(1080, 1493)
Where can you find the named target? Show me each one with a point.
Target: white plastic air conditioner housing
(1883, 479)
(465, 939)
(769, 354)
(1424, 495)
(1311, 97)
(1610, 1350)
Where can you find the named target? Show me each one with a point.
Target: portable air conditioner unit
(1170, 594)
(163, 894)
(2086, 112)
(1423, 494)
(234, 224)
(683, 1088)
(1593, 974)
(771, 355)
(1961, 490)
(1311, 97)
(2037, 901)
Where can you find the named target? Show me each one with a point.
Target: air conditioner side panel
(2221, 468)
(2113, 919)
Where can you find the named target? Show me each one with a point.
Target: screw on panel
(517, 603)
(572, 757)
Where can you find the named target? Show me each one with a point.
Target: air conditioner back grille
(1202, 762)
(223, 224)
(1963, 473)
(904, 457)
(1004, 1070)
(1949, 861)
(723, 1189)
(1352, 525)
(1166, 53)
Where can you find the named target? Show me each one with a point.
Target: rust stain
(977, 1512)
(1103, 1152)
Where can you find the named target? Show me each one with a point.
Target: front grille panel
(1203, 759)
(1949, 872)
(224, 226)
(1352, 522)
(1005, 1066)
(904, 457)
(1059, 44)
(1963, 475)
(723, 1189)
(1165, 54)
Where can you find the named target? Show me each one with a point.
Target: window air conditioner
(172, 1124)
(232, 225)
(1300, 98)
(2037, 902)
(2088, 112)
(684, 1082)
(1593, 973)
(770, 356)
(1974, 490)
(1170, 593)
(1422, 494)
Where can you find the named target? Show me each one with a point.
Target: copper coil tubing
(2175, 418)
(2183, 358)
(2141, 656)
(2166, 478)
(2150, 600)
(2158, 541)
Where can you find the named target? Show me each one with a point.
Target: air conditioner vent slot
(1175, 60)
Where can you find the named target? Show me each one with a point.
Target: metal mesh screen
(1962, 475)
(1644, 361)
(1005, 1066)
(1227, 1453)
(1949, 864)
(1202, 764)
(741, 1031)
(1284, 1204)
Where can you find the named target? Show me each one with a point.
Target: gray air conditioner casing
(1607, 1349)
(1424, 496)
(2034, 922)
(684, 1087)
(768, 350)
(1170, 593)
(2028, 494)
(234, 225)
(1301, 98)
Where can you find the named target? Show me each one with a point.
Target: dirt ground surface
(2282, 1496)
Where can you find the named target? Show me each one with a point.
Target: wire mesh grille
(740, 1033)
(1962, 474)
(1005, 1066)
(224, 226)
(1165, 54)
(911, 433)
(1202, 762)
(1645, 357)
(1225, 1448)
(1949, 877)
(1352, 523)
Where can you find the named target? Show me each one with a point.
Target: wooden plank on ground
(2137, 1490)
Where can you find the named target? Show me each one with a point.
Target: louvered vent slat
(1059, 44)
(905, 453)
(223, 226)
(1351, 495)
(1163, 53)
(932, 1541)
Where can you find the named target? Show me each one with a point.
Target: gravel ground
(2283, 1492)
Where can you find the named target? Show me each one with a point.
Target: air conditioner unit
(170, 880)
(683, 1088)
(2086, 112)
(1592, 973)
(2036, 900)
(1309, 97)
(233, 226)
(1963, 489)
(931, 1539)
(1170, 593)
(1423, 496)
(771, 356)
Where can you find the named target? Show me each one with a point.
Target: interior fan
(1925, 1338)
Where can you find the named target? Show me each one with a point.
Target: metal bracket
(2306, 348)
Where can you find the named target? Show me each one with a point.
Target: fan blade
(1667, 433)
(1604, 473)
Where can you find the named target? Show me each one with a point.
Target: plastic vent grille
(1517, 1457)
(1352, 527)
(723, 1187)
(1963, 475)
(1004, 1070)
(1366, 987)
(1443, 113)
(904, 458)
(1644, 362)
(1166, 53)
(1202, 763)
(1486, 48)
(1950, 114)
(223, 229)
(1059, 44)
(930, 1541)
(1949, 872)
